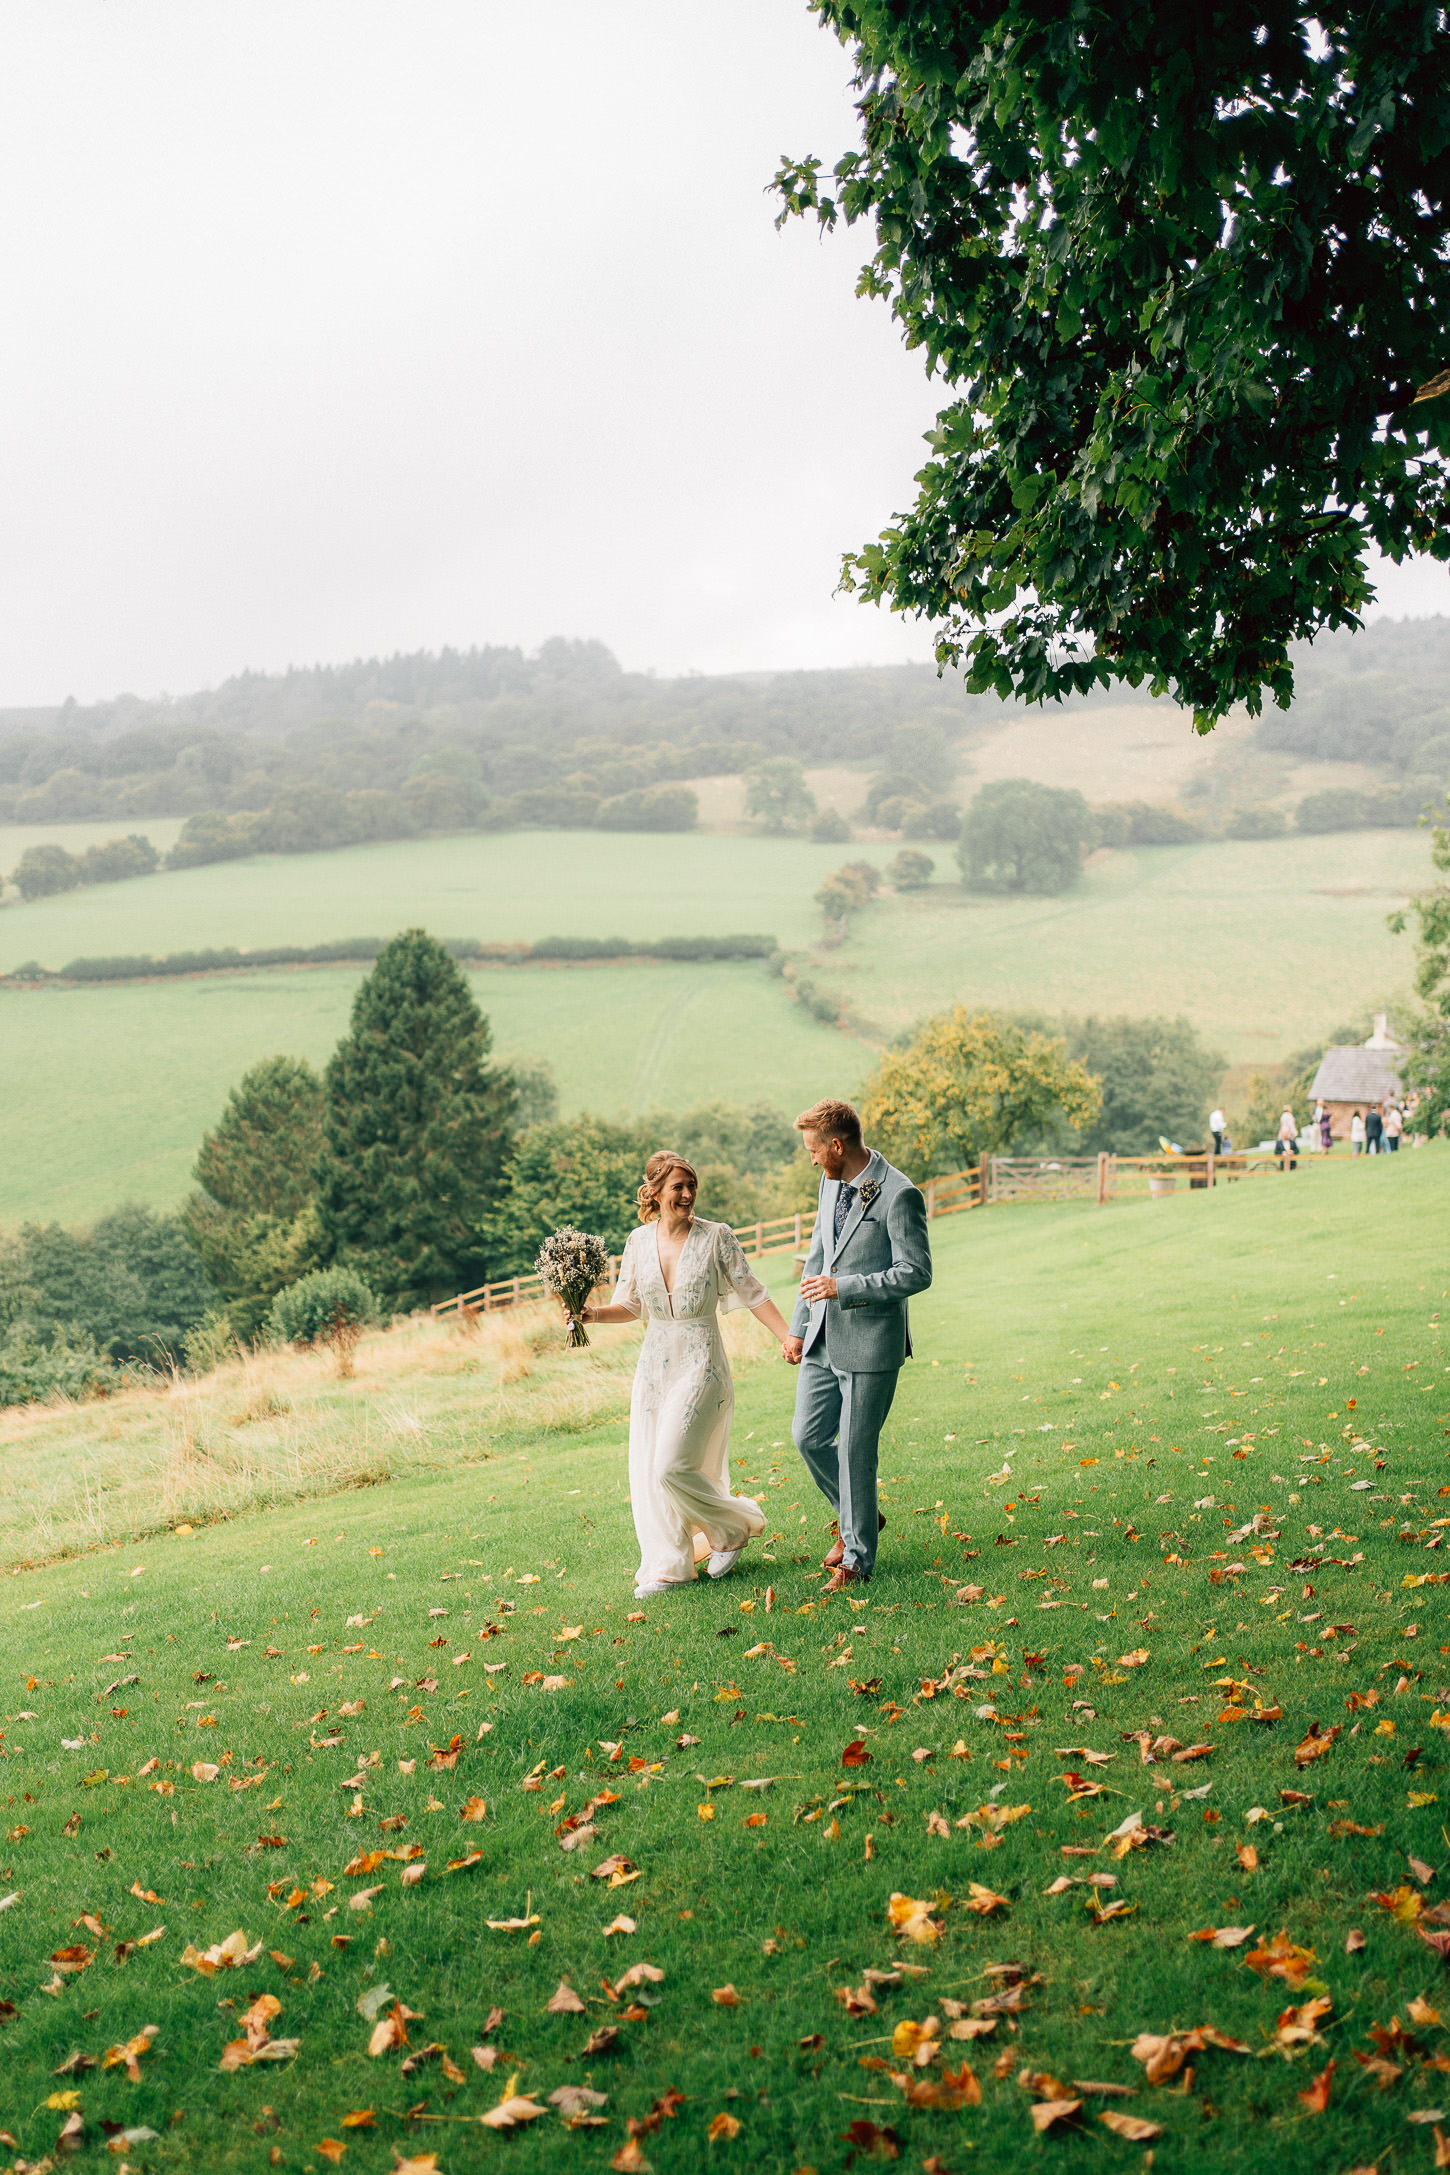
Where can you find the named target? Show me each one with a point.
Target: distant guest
(1374, 1126)
(1356, 1133)
(1326, 1128)
(1217, 1125)
(1286, 1146)
(1394, 1127)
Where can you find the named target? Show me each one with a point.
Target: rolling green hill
(1264, 947)
(502, 887)
(108, 1090)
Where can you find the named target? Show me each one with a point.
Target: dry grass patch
(277, 1426)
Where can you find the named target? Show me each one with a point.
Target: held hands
(816, 1288)
(791, 1349)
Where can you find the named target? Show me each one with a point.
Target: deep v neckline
(660, 1266)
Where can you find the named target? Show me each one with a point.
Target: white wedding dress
(684, 1399)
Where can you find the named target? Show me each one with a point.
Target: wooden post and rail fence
(996, 1179)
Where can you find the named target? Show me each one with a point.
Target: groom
(869, 1252)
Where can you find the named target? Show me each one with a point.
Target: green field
(107, 1089)
(1264, 947)
(1171, 1369)
(504, 887)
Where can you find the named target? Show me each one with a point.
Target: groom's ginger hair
(831, 1121)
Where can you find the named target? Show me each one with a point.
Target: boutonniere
(869, 1192)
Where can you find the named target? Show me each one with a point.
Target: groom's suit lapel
(858, 1210)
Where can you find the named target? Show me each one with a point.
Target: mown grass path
(1102, 1401)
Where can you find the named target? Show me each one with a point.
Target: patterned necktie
(844, 1198)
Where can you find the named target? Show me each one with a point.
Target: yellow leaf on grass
(1047, 2113)
(361, 2118)
(1403, 1903)
(725, 1997)
(911, 1918)
(723, 2125)
(1135, 1660)
(984, 1900)
(510, 2112)
(226, 1955)
(331, 2148)
(1133, 2127)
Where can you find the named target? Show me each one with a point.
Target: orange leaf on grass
(855, 1754)
(1315, 1744)
(331, 2148)
(1404, 1903)
(725, 1997)
(723, 2125)
(1316, 2095)
(1281, 1959)
(361, 2118)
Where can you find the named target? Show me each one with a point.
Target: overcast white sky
(337, 327)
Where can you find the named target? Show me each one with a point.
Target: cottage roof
(1355, 1073)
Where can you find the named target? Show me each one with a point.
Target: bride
(677, 1270)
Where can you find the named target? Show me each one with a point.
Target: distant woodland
(476, 739)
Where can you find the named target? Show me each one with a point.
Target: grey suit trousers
(837, 1427)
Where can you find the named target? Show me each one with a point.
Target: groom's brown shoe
(836, 1553)
(845, 1574)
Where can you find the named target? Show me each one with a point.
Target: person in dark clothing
(1374, 1126)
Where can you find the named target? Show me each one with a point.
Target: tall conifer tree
(416, 1127)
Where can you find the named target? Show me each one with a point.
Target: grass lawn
(109, 1088)
(1264, 946)
(1101, 1400)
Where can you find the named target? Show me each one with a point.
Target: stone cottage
(1353, 1076)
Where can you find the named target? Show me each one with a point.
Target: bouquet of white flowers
(571, 1263)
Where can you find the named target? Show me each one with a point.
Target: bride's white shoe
(659, 1585)
(723, 1560)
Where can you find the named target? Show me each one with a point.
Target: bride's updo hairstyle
(657, 1173)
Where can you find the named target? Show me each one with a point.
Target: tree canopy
(968, 1085)
(1427, 1068)
(254, 1220)
(1184, 271)
(1020, 836)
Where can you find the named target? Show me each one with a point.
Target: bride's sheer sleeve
(626, 1290)
(739, 1286)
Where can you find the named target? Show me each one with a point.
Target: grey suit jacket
(883, 1256)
